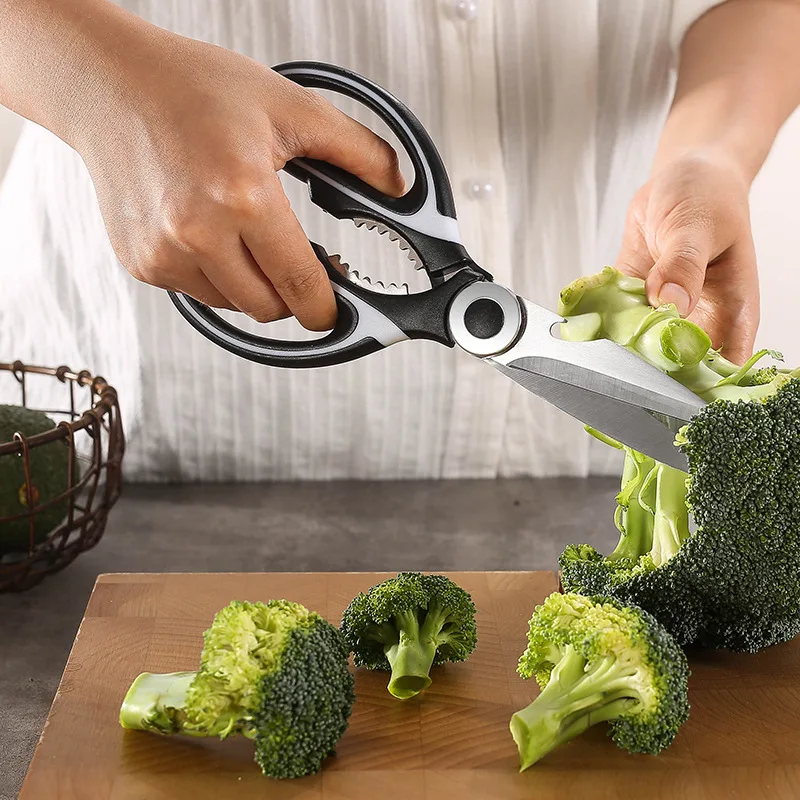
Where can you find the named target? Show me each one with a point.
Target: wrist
(735, 116)
(689, 157)
(695, 129)
(97, 41)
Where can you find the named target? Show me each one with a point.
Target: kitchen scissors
(600, 383)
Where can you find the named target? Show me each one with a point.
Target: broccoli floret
(599, 661)
(735, 582)
(274, 672)
(406, 625)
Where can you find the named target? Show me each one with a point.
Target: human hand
(688, 235)
(184, 157)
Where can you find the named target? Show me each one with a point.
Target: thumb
(634, 258)
(679, 272)
(330, 135)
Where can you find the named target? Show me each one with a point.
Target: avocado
(49, 470)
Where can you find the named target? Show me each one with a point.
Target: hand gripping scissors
(600, 383)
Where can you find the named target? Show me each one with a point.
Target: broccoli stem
(574, 699)
(156, 702)
(634, 516)
(671, 524)
(613, 306)
(411, 663)
(746, 370)
(652, 514)
(411, 658)
(669, 342)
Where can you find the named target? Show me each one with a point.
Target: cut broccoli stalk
(598, 661)
(619, 307)
(652, 516)
(157, 703)
(411, 657)
(576, 697)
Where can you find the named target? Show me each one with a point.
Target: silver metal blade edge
(629, 424)
(600, 366)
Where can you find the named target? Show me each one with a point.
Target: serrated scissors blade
(601, 384)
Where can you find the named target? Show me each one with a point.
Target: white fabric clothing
(546, 112)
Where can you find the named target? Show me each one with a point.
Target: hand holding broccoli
(687, 234)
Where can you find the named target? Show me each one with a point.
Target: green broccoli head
(274, 672)
(734, 581)
(49, 474)
(599, 661)
(406, 625)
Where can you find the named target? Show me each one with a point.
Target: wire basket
(89, 426)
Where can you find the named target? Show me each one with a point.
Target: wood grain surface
(742, 740)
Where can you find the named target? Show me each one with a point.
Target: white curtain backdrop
(364, 429)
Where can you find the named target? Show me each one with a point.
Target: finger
(679, 272)
(247, 289)
(195, 284)
(328, 134)
(733, 333)
(280, 249)
(738, 346)
(203, 290)
(729, 308)
(634, 257)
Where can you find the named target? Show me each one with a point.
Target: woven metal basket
(89, 426)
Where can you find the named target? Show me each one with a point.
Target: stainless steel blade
(626, 423)
(602, 384)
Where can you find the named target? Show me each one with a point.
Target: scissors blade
(601, 384)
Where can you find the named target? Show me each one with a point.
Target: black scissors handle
(424, 218)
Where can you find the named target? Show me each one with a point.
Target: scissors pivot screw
(485, 318)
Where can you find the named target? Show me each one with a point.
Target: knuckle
(687, 257)
(273, 196)
(194, 226)
(299, 283)
(136, 271)
(313, 102)
(243, 192)
(634, 218)
(310, 118)
(187, 232)
(288, 143)
(691, 214)
(385, 160)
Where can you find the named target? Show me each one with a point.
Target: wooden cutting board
(742, 740)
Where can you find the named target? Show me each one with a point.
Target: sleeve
(684, 14)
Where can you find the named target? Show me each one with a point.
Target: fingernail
(677, 295)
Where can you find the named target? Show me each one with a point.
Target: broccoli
(599, 661)
(49, 474)
(274, 672)
(407, 624)
(735, 581)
